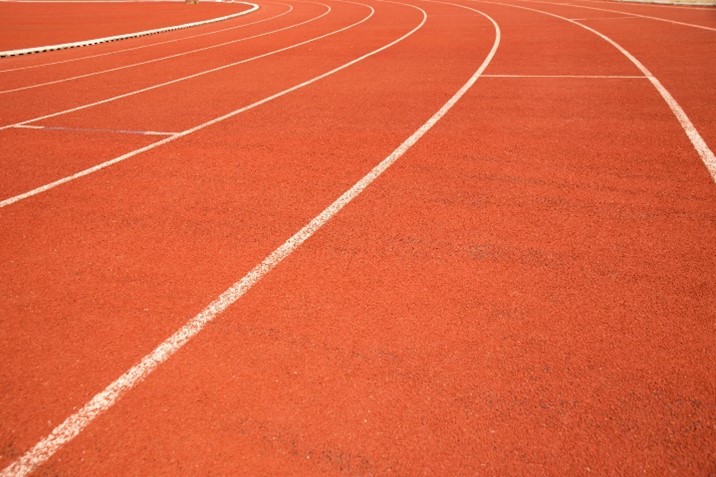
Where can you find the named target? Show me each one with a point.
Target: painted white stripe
(151, 45)
(156, 60)
(625, 13)
(702, 149)
(601, 18)
(77, 422)
(96, 41)
(568, 76)
(204, 72)
(115, 131)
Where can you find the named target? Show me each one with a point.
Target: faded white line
(702, 149)
(97, 41)
(602, 18)
(92, 130)
(569, 76)
(103, 401)
(201, 73)
(625, 13)
(163, 58)
(140, 47)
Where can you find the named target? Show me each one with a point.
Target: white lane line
(97, 41)
(147, 62)
(205, 72)
(624, 13)
(702, 149)
(116, 131)
(569, 76)
(140, 47)
(98, 167)
(103, 401)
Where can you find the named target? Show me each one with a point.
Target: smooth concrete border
(96, 41)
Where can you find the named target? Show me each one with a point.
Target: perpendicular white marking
(96, 41)
(151, 45)
(702, 149)
(201, 73)
(77, 422)
(569, 76)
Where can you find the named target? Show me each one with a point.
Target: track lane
(509, 296)
(670, 57)
(256, 235)
(503, 309)
(426, 431)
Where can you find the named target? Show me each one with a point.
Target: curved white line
(103, 401)
(155, 60)
(624, 13)
(200, 73)
(140, 47)
(96, 41)
(702, 149)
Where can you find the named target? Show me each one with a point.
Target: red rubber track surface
(27, 24)
(528, 291)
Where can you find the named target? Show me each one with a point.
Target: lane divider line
(97, 41)
(117, 131)
(140, 47)
(147, 62)
(204, 72)
(702, 149)
(106, 399)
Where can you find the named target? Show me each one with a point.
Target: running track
(525, 285)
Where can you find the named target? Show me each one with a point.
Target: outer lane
(525, 293)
